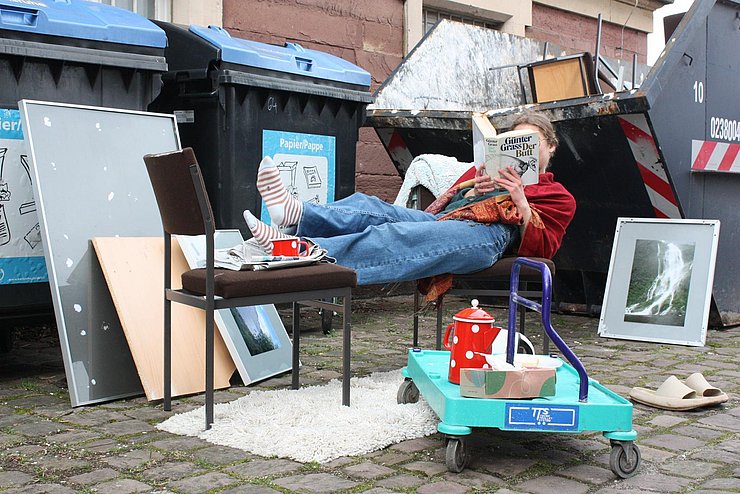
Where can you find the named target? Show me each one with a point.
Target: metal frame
(585, 75)
(482, 292)
(210, 302)
(101, 369)
(162, 8)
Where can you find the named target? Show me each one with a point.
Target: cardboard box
(524, 383)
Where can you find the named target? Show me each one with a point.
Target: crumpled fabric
(435, 172)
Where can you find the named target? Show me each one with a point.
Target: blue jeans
(384, 243)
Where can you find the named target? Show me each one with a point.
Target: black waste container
(67, 51)
(238, 100)
(668, 149)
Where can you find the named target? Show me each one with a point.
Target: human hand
(512, 182)
(483, 182)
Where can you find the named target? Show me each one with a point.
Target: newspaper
(247, 257)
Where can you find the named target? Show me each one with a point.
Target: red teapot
(473, 335)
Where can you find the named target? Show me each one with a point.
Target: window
(503, 15)
(151, 9)
(431, 16)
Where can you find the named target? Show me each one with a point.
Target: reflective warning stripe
(651, 168)
(715, 156)
(396, 147)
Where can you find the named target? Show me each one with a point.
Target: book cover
(516, 148)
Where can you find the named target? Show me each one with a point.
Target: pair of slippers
(673, 394)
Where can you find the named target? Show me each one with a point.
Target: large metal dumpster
(668, 149)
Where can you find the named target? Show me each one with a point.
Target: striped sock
(263, 233)
(284, 209)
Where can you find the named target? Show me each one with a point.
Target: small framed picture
(255, 335)
(659, 285)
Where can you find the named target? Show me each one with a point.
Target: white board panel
(90, 181)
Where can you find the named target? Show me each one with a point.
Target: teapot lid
(473, 313)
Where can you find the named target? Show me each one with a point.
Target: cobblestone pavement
(48, 447)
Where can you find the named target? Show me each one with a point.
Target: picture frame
(659, 285)
(89, 181)
(255, 336)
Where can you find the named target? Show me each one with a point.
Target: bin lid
(80, 20)
(291, 58)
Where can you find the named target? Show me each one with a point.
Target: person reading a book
(467, 229)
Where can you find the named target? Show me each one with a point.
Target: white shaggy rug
(309, 424)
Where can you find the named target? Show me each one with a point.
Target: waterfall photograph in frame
(659, 284)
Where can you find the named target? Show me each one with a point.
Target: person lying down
(467, 229)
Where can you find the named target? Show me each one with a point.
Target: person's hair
(541, 122)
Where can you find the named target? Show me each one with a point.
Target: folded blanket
(435, 172)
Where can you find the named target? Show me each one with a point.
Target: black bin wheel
(6, 340)
(624, 459)
(456, 455)
(326, 320)
(407, 392)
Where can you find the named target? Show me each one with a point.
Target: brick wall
(368, 34)
(578, 33)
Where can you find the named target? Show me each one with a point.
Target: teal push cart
(580, 403)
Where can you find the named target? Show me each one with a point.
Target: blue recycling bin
(238, 100)
(67, 51)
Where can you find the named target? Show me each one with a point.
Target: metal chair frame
(211, 302)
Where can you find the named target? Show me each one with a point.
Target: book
(516, 148)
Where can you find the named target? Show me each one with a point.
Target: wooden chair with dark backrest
(185, 210)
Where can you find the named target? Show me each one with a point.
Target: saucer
(522, 360)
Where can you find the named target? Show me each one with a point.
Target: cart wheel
(523, 348)
(624, 459)
(326, 320)
(456, 455)
(407, 392)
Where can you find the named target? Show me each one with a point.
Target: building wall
(578, 33)
(368, 34)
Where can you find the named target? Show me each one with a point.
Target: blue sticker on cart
(539, 417)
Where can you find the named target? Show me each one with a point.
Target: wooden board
(559, 80)
(133, 269)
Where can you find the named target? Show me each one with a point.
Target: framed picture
(255, 335)
(88, 181)
(659, 285)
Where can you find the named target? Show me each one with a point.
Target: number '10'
(698, 92)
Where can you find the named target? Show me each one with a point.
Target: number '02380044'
(723, 128)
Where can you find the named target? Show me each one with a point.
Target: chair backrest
(180, 192)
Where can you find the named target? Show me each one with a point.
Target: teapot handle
(447, 337)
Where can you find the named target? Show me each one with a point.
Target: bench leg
(346, 347)
(440, 310)
(416, 319)
(296, 344)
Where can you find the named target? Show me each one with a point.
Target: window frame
(162, 8)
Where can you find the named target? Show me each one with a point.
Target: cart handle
(544, 309)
